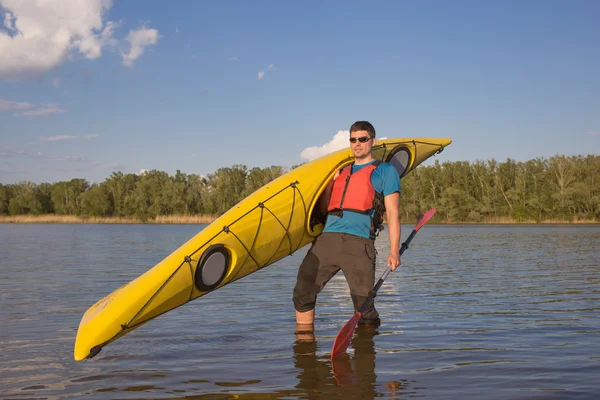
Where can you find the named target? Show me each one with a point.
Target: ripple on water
(475, 312)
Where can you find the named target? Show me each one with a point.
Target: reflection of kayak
(270, 224)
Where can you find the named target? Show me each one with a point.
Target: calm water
(495, 312)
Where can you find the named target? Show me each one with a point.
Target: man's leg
(313, 274)
(305, 290)
(305, 318)
(359, 270)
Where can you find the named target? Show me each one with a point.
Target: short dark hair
(363, 126)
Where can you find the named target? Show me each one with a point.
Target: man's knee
(305, 294)
(303, 304)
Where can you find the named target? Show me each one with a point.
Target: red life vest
(353, 191)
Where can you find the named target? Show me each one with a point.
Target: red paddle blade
(426, 217)
(344, 336)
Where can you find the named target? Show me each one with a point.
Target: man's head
(362, 139)
(363, 126)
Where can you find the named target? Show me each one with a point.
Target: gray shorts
(330, 253)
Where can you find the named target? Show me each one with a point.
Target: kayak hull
(268, 225)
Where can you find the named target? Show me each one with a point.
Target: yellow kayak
(270, 224)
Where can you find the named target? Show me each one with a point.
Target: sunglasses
(362, 139)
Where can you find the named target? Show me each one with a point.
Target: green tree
(562, 174)
(258, 177)
(196, 195)
(177, 194)
(226, 187)
(66, 196)
(557, 188)
(120, 186)
(151, 196)
(5, 196)
(26, 199)
(95, 201)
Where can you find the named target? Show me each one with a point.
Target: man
(347, 242)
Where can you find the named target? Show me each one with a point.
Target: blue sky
(87, 88)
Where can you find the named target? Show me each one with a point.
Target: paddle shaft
(373, 292)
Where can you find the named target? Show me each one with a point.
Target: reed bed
(208, 218)
(186, 219)
(513, 221)
(75, 219)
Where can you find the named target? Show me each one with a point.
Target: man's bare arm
(392, 205)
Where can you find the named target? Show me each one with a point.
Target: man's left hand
(393, 260)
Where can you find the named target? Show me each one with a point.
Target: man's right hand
(393, 260)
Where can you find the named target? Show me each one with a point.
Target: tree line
(558, 188)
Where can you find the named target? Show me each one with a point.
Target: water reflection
(359, 369)
(350, 375)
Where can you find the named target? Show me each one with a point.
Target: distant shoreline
(207, 219)
(75, 219)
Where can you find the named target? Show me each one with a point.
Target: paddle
(342, 340)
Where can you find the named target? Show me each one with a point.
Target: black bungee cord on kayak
(226, 230)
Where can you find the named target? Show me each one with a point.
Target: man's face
(361, 149)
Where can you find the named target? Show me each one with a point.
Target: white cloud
(338, 142)
(7, 105)
(43, 111)
(72, 158)
(58, 138)
(7, 152)
(39, 36)
(138, 41)
(261, 74)
(143, 172)
(68, 137)
(43, 33)
(26, 109)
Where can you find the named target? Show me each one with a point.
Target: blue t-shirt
(385, 180)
